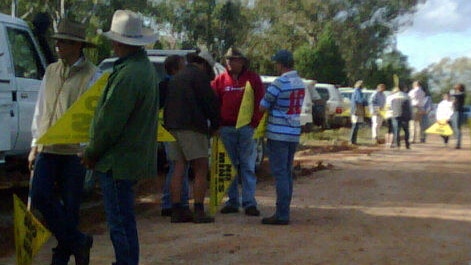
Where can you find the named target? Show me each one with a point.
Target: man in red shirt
(239, 143)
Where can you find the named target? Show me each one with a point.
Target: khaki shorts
(190, 145)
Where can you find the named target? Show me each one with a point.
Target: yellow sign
(262, 127)
(73, 127)
(222, 174)
(246, 107)
(441, 128)
(30, 234)
(162, 134)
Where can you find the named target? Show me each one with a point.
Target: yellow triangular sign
(441, 128)
(246, 107)
(30, 234)
(262, 127)
(222, 174)
(162, 134)
(73, 126)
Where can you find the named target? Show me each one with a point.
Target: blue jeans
(354, 132)
(399, 123)
(424, 124)
(455, 120)
(240, 146)
(166, 201)
(60, 209)
(118, 199)
(281, 156)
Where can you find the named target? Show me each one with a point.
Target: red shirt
(230, 93)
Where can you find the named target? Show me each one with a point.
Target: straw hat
(126, 27)
(74, 31)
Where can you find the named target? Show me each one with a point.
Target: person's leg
(374, 127)
(354, 132)
(71, 180)
(230, 138)
(424, 124)
(200, 166)
(118, 200)
(247, 156)
(43, 199)
(396, 131)
(166, 201)
(278, 155)
(405, 127)
(456, 125)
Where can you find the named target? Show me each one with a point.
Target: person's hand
(32, 157)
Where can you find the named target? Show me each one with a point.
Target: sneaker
(181, 215)
(274, 221)
(82, 254)
(166, 212)
(201, 218)
(252, 211)
(229, 209)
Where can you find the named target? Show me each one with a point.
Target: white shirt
(417, 96)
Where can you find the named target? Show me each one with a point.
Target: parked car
(22, 66)
(334, 104)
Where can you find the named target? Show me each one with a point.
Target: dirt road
(375, 206)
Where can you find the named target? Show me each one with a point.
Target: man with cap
(122, 146)
(230, 87)
(190, 105)
(58, 176)
(283, 101)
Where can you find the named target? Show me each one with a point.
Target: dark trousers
(56, 191)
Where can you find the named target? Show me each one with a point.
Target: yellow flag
(262, 127)
(73, 127)
(222, 174)
(246, 107)
(162, 134)
(441, 128)
(30, 234)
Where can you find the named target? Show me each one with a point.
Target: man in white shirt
(417, 97)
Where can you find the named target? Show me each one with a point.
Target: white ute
(22, 67)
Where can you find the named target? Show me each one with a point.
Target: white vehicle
(22, 67)
(334, 103)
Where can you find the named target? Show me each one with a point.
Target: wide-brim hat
(74, 31)
(126, 27)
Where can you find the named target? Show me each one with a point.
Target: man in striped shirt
(283, 100)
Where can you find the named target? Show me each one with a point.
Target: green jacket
(123, 130)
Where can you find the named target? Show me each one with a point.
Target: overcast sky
(441, 28)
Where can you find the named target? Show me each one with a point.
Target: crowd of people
(407, 111)
(196, 103)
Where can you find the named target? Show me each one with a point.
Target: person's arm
(37, 116)
(208, 100)
(111, 117)
(259, 91)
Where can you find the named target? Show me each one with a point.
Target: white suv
(334, 103)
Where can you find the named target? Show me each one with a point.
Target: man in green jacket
(123, 131)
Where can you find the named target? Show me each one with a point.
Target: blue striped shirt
(283, 100)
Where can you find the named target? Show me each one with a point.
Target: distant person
(376, 104)
(401, 115)
(230, 87)
(444, 113)
(357, 110)
(458, 97)
(417, 97)
(58, 176)
(283, 101)
(425, 121)
(122, 146)
(172, 64)
(191, 114)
